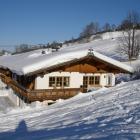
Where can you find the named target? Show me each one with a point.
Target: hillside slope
(106, 43)
(105, 114)
(42, 59)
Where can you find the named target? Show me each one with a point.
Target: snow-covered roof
(29, 62)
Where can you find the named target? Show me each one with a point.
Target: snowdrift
(112, 113)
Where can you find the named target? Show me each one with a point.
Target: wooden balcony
(19, 90)
(39, 95)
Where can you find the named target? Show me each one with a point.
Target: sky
(43, 21)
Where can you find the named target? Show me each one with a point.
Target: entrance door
(109, 80)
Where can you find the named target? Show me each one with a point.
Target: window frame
(91, 80)
(52, 82)
(60, 81)
(97, 80)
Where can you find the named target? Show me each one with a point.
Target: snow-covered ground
(5, 102)
(112, 113)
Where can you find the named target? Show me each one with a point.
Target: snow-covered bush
(122, 78)
(128, 77)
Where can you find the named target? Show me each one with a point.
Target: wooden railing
(14, 85)
(52, 94)
(39, 95)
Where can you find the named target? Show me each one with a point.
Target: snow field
(107, 113)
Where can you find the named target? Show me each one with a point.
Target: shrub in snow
(122, 78)
(128, 77)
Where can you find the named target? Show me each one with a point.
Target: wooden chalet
(64, 79)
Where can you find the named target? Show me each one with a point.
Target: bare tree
(90, 29)
(21, 48)
(113, 27)
(107, 27)
(130, 42)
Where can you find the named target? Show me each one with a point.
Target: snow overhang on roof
(113, 62)
(32, 62)
(117, 67)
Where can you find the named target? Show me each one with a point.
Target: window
(51, 81)
(66, 82)
(59, 81)
(91, 80)
(14, 76)
(97, 80)
(85, 80)
(109, 79)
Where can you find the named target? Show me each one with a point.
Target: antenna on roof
(90, 51)
(43, 52)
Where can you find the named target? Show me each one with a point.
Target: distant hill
(7, 47)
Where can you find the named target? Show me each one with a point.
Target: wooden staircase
(38, 95)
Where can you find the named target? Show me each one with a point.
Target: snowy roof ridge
(33, 61)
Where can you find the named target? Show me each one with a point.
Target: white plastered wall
(76, 79)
